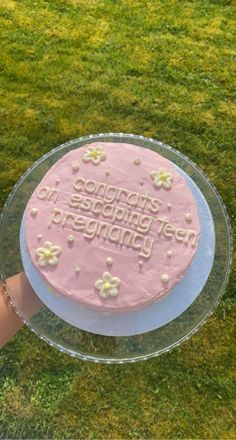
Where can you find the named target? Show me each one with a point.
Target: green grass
(163, 69)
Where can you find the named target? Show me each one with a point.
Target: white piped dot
(57, 181)
(75, 165)
(70, 238)
(39, 236)
(169, 206)
(140, 263)
(169, 253)
(165, 278)
(34, 212)
(109, 261)
(77, 269)
(137, 161)
(188, 217)
(141, 182)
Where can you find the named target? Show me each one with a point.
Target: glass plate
(113, 349)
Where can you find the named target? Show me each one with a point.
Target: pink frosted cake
(112, 226)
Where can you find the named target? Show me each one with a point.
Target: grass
(163, 69)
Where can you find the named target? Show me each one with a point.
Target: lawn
(163, 69)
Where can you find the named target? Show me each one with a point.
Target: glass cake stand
(89, 345)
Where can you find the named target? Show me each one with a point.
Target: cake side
(113, 226)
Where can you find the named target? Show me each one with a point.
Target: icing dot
(137, 161)
(140, 263)
(34, 212)
(107, 173)
(39, 236)
(169, 253)
(57, 181)
(70, 238)
(165, 278)
(77, 269)
(75, 165)
(188, 217)
(141, 182)
(109, 261)
(169, 205)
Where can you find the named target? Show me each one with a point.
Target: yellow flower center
(94, 154)
(47, 253)
(163, 177)
(106, 285)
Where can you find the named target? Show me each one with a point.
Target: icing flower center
(106, 285)
(94, 154)
(163, 177)
(47, 253)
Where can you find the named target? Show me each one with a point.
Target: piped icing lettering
(106, 219)
(111, 193)
(91, 228)
(116, 223)
(180, 234)
(48, 193)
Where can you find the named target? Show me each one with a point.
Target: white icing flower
(94, 155)
(48, 254)
(108, 286)
(162, 178)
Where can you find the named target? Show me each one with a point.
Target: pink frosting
(141, 281)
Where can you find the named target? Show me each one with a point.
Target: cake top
(112, 225)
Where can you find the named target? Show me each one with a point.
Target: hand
(25, 299)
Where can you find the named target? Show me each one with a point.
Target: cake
(112, 226)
